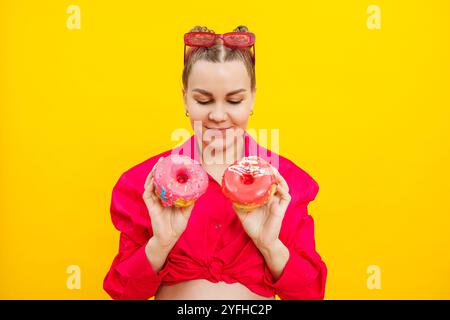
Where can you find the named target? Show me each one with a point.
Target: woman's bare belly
(202, 289)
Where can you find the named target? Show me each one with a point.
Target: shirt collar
(251, 148)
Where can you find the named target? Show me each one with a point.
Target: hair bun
(201, 29)
(241, 28)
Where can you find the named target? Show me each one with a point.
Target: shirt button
(217, 226)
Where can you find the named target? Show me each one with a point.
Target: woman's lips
(218, 132)
(219, 129)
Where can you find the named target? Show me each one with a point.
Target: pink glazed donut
(249, 183)
(179, 180)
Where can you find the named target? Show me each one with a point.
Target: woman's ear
(186, 112)
(184, 96)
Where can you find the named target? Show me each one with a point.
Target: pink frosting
(179, 177)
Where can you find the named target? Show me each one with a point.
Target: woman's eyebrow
(210, 94)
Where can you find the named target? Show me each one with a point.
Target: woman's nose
(218, 114)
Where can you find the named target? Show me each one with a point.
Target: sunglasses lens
(238, 40)
(201, 39)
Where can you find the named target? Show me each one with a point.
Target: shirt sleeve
(304, 275)
(131, 276)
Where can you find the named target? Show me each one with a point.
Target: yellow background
(365, 112)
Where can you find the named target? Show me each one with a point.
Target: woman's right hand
(168, 223)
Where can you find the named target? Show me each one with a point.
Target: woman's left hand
(263, 224)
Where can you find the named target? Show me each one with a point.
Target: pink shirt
(214, 245)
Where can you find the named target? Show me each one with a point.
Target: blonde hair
(218, 53)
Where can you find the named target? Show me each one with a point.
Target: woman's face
(219, 100)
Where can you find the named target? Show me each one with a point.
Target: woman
(209, 250)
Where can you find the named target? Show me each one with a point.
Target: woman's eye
(211, 101)
(204, 102)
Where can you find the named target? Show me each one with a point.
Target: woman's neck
(223, 157)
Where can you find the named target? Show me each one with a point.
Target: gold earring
(251, 112)
(186, 114)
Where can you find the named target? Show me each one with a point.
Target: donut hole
(247, 179)
(182, 176)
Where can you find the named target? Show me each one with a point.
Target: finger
(276, 214)
(285, 197)
(149, 193)
(281, 196)
(186, 211)
(242, 214)
(281, 183)
(150, 187)
(148, 198)
(280, 178)
(150, 175)
(148, 180)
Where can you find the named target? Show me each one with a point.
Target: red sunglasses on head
(230, 39)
